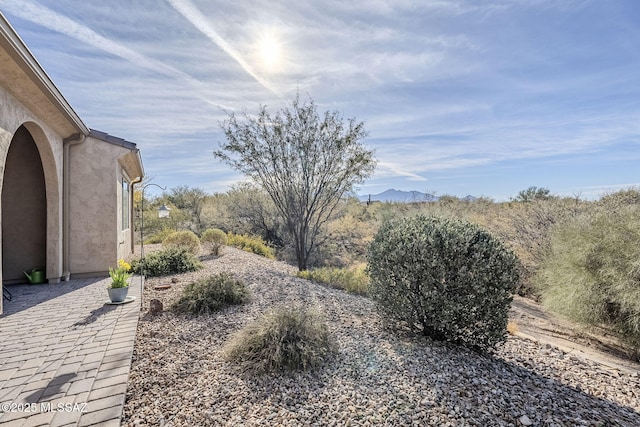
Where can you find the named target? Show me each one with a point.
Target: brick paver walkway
(65, 354)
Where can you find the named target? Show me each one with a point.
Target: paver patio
(65, 354)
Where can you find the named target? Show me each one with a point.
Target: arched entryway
(24, 209)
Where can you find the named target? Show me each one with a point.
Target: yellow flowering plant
(120, 275)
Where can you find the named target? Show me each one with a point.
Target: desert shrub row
(211, 240)
(354, 279)
(159, 236)
(254, 244)
(214, 239)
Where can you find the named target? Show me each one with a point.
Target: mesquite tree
(190, 200)
(305, 161)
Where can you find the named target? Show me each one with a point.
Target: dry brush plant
(285, 338)
(212, 294)
(526, 227)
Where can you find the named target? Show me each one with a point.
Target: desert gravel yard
(378, 377)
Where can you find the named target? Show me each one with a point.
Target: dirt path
(597, 344)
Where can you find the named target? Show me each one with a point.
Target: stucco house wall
(61, 183)
(101, 164)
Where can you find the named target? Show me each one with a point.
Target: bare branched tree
(304, 161)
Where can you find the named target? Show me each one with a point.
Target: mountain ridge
(393, 195)
(401, 196)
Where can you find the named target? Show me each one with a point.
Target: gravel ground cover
(378, 377)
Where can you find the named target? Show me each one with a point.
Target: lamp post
(163, 212)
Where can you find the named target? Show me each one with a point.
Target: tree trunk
(301, 255)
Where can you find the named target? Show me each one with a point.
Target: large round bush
(448, 278)
(183, 239)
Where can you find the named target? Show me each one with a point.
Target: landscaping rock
(180, 377)
(155, 306)
(525, 421)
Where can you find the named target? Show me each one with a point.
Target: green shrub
(533, 193)
(183, 239)
(354, 280)
(212, 294)
(620, 198)
(448, 278)
(592, 273)
(213, 240)
(527, 228)
(159, 236)
(287, 338)
(173, 260)
(253, 244)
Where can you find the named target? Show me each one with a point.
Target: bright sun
(270, 54)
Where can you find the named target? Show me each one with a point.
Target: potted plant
(119, 285)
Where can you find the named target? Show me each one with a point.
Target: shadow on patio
(25, 296)
(63, 347)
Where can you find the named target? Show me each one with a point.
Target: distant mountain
(392, 195)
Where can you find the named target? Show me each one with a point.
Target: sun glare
(270, 54)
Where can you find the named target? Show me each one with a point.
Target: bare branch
(304, 161)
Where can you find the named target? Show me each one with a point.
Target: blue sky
(459, 96)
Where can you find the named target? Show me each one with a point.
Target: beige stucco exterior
(96, 206)
(61, 183)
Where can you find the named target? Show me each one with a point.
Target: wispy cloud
(46, 17)
(388, 168)
(41, 15)
(198, 20)
(455, 92)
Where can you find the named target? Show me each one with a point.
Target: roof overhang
(23, 77)
(130, 162)
(132, 165)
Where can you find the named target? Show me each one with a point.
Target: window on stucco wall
(125, 204)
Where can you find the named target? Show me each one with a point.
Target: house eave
(68, 122)
(132, 161)
(103, 136)
(132, 164)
